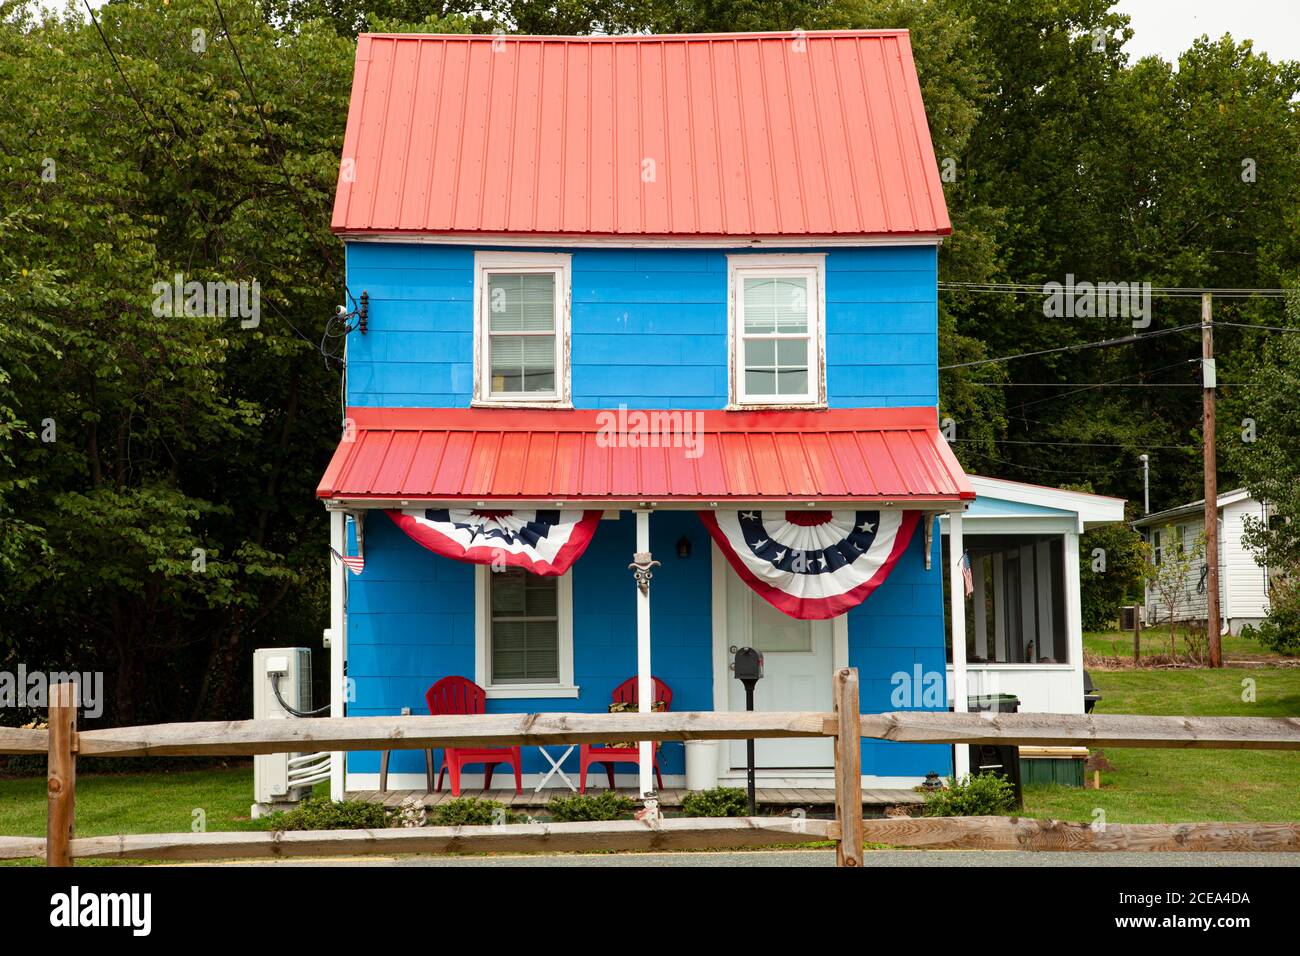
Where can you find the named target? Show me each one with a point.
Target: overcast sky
(1167, 27)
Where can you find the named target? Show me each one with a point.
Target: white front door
(798, 664)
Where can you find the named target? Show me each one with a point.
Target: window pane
(521, 302)
(792, 381)
(522, 363)
(540, 597)
(525, 652)
(792, 353)
(760, 382)
(507, 589)
(760, 352)
(773, 632)
(525, 644)
(760, 305)
(791, 305)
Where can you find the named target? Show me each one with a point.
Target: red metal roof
(876, 454)
(706, 135)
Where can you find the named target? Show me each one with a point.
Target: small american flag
(966, 576)
(355, 565)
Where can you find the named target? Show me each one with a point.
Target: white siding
(1246, 579)
(1242, 592)
(1191, 601)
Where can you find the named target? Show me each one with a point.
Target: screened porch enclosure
(1016, 612)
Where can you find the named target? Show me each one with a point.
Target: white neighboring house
(1025, 635)
(1243, 581)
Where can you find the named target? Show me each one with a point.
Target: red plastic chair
(624, 693)
(460, 695)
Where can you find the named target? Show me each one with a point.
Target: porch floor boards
(668, 798)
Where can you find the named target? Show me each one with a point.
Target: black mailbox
(749, 664)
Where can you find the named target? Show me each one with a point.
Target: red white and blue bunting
(812, 565)
(544, 542)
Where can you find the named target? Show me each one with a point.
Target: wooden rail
(248, 737)
(63, 743)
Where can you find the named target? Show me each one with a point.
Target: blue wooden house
(646, 371)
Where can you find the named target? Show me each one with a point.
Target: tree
(171, 506)
(1170, 574)
(1112, 565)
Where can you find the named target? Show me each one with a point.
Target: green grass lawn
(1177, 786)
(108, 804)
(1155, 640)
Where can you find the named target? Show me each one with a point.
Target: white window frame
(809, 265)
(559, 264)
(564, 687)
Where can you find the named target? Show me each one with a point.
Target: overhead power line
(1168, 292)
(1103, 343)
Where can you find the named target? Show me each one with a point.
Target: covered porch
(659, 589)
(1024, 632)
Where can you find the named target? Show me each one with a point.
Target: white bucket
(701, 764)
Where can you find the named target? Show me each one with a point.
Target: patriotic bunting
(812, 565)
(544, 542)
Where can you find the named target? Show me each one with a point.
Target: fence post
(61, 780)
(848, 768)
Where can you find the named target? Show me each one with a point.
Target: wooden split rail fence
(64, 743)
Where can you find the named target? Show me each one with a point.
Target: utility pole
(1208, 382)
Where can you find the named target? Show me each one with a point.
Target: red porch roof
(889, 455)
(707, 135)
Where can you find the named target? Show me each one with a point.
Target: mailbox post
(748, 668)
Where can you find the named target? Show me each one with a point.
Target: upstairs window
(777, 320)
(522, 323)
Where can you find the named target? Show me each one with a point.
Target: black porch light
(683, 547)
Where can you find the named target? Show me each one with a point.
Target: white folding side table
(555, 768)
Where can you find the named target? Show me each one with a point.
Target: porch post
(338, 639)
(1074, 617)
(957, 586)
(644, 685)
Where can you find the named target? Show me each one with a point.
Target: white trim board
(540, 263)
(564, 687)
(812, 268)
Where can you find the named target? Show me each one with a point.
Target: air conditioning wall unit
(281, 685)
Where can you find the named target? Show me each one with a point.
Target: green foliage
(718, 802)
(609, 805)
(1113, 562)
(471, 811)
(313, 814)
(165, 463)
(1262, 442)
(1280, 631)
(978, 795)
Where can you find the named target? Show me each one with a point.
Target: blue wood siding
(649, 327)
